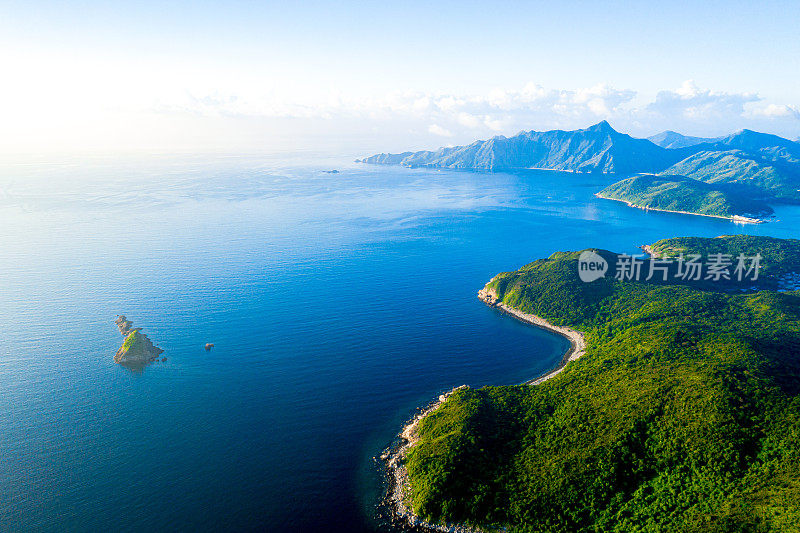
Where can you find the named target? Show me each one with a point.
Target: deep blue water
(338, 303)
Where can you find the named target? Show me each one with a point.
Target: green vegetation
(679, 193)
(134, 341)
(684, 414)
(137, 348)
(747, 172)
(781, 256)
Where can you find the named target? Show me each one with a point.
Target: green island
(681, 194)
(683, 415)
(137, 348)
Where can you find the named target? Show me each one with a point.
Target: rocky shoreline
(137, 348)
(397, 494)
(394, 456)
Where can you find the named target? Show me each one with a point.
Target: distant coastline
(734, 218)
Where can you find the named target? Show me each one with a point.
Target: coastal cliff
(137, 348)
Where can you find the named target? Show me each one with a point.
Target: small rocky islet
(137, 348)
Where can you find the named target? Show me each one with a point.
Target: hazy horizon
(355, 78)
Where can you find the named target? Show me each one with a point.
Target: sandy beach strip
(735, 218)
(577, 342)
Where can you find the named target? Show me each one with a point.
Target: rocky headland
(137, 348)
(399, 491)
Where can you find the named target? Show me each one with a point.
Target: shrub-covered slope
(679, 193)
(749, 173)
(683, 415)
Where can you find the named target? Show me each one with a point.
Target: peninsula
(679, 194)
(681, 415)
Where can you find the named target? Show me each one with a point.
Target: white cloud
(494, 124)
(98, 104)
(532, 103)
(468, 120)
(691, 102)
(438, 130)
(687, 108)
(777, 111)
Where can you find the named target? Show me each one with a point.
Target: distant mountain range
(671, 139)
(599, 148)
(750, 164)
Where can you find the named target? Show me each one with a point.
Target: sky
(241, 76)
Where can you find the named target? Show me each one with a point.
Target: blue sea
(338, 303)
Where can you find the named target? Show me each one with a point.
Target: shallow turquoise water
(337, 302)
